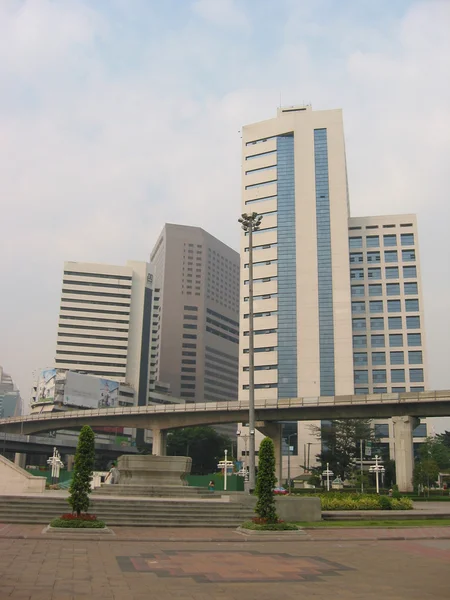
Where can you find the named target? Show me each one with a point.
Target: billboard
(45, 387)
(87, 391)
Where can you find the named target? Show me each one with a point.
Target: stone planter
(82, 532)
(151, 470)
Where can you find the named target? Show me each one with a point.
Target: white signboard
(86, 391)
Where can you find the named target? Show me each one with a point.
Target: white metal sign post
(327, 473)
(56, 463)
(377, 469)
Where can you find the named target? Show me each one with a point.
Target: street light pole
(289, 459)
(251, 222)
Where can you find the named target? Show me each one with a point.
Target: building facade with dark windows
(195, 331)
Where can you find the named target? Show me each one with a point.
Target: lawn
(391, 524)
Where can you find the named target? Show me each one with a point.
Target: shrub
(77, 523)
(261, 526)
(385, 503)
(80, 487)
(401, 504)
(395, 492)
(339, 501)
(265, 507)
(81, 517)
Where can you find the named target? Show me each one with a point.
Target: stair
(154, 491)
(129, 512)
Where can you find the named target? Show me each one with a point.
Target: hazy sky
(119, 115)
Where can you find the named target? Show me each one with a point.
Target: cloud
(114, 122)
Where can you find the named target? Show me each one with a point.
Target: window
(412, 305)
(356, 273)
(398, 390)
(391, 272)
(357, 290)
(373, 257)
(412, 322)
(414, 339)
(408, 255)
(354, 228)
(411, 288)
(373, 241)
(361, 376)
(356, 257)
(393, 289)
(415, 357)
(377, 341)
(378, 358)
(359, 324)
(189, 336)
(407, 239)
(376, 306)
(420, 430)
(394, 306)
(371, 226)
(355, 242)
(395, 340)
(409, 272)
(358, 307)
(390, 240)
(360, 359)
(417, 388)
(189, 326)
(379, 375)
(380, 390)
(375, 289)
(191, 308)
(363, 390)
(381, 429)
(359, 341)
(390, 256)
(376, 323)
(397, 358)
(395, 322)
(416, 375)
(374, 273)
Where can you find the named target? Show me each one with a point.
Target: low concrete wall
(15, 480)
(289, 508)
(147, 469)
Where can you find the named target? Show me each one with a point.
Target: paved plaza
(138, 564)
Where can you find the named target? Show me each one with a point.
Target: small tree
(265, 507)
(80, 487)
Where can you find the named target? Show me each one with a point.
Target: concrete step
(231, 523)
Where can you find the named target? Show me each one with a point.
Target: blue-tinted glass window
(395, 322)
(410, 288)
(360, 359)
(361, 376)
(390, 256)
(395, 340)
(391, 272)
(397, 358)
(407, 239)
(373, 241)
(390, 240)
(356, 273)
(376, 306)
(417, 388)
(355, 242)
(397, 375)
(359, 341)
(376, 323)
(393, 289)
(398, 390)
(394, 306)
(382, 430)
(374, 273)
(379, 375)
(380, 390)
(361, 391)
(416, 375)
(359, 324)
(373, 257)
(420, 431)
(408, 255)
(378, 358)
(414, 339)
(356, 257)
(410, 271)
(375, 289)
(357, 290)
(412, 322)
(377, 341)
(415, 357)
(412, 305)
(358, 307)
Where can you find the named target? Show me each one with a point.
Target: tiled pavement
(40, 568)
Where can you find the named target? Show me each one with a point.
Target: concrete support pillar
(273, 430)
(20, 459)
(70, 458)
(159, 445)
(403, 450)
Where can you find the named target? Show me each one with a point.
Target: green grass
(269, 526)
(390, 524)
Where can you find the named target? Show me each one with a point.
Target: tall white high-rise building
(10, 400)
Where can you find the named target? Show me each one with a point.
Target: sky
(117, 116)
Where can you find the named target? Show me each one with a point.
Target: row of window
(373, 241)
(395, 340)
(394, 390)
(389, 273)
(410, 288)
(380, 375)
(412, 322)
(415, 357)
(377, 306)
(408, 255)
